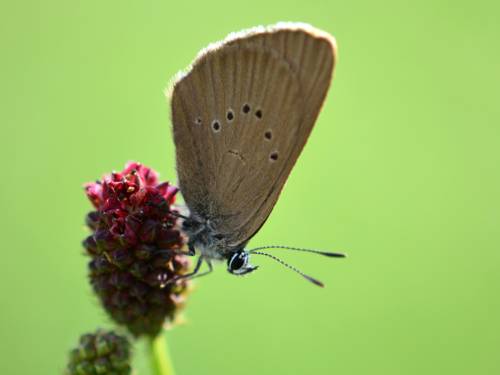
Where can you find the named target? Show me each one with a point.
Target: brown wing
(241, 117)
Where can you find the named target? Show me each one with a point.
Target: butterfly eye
(237, 261)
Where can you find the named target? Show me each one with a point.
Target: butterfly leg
(191, 251)
(194, 273)
(210, 269)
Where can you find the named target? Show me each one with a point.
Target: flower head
(134, 247)
(100, 353)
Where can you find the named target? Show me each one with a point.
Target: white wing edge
(294, 26)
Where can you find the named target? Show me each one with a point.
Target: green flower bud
(100, 353)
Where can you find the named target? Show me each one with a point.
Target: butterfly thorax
(205, 239)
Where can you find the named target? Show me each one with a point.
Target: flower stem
(161, 364)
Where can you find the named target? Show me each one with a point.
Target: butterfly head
(238, 263)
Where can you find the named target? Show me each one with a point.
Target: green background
(401, 172)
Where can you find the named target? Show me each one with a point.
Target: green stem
(161, 363)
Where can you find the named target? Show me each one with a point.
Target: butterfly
(241, 116)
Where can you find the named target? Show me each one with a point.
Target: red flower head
(135, 248)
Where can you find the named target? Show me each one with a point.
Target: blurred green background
(401, 172)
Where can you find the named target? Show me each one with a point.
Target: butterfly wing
(241, 116)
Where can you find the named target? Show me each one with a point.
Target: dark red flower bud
(135, 248)
(93, 219)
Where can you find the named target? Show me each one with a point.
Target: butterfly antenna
(307, 277)
(314, 251)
